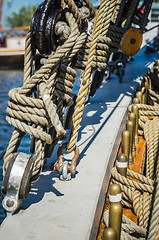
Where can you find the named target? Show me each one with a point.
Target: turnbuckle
(16, 182)
(64, 167)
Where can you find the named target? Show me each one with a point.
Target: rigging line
(147, 30)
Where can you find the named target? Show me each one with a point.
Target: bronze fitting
(126, 144)
(135, 110)
(109, 234)
(149, 80)
(146, 85)
(139, 96)
(130, 127)
(122, 164)
(115, 210)
(132, 117)
(136, 101)
(144, 95)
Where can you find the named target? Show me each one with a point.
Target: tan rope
(43, 107)
(77, 116)
(128, 228)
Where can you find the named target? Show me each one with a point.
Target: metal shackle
(62, 166)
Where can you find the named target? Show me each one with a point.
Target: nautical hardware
(62, 166)
(65, 175)
(16, 182)
(109, 234)
(146, 84)
(43, 118)
(130, 128)
(144, 95)
(140, 189)
(120, 69)
(132, 117)
(42, 26)
(131, 41)
(115, 210)
(135, 110)
(148, 80)
(126, 144)
(122, 164)
(139, 96)
(117, 65)
(136, 101)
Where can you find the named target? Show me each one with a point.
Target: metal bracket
(65, 176)
(16, 182)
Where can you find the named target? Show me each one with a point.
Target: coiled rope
(140, 192)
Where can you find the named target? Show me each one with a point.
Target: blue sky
(15, 6)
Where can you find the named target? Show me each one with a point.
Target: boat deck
(72, 210)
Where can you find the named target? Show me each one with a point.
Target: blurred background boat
(12, 45)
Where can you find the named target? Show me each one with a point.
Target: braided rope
(155, 216)
(44, 106)
(128, 182)
(128, 228)
(151, 133)
(107, 16)
(28, 58)
(77, 116)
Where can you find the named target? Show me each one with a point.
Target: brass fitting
(122, 164)
(130, 127)
(144, 94)
(149, 80)
(109, 234)
(136, 101)
(126, 144)
(135, 110)
(132, 117)
(139, 96)
(146, 85)
(115, 210)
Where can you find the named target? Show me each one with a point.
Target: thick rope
(77, 116)
(40, 111)
(128, 228)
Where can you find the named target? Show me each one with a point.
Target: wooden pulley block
(131, 41)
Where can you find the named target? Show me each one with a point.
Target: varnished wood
(131, 41)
